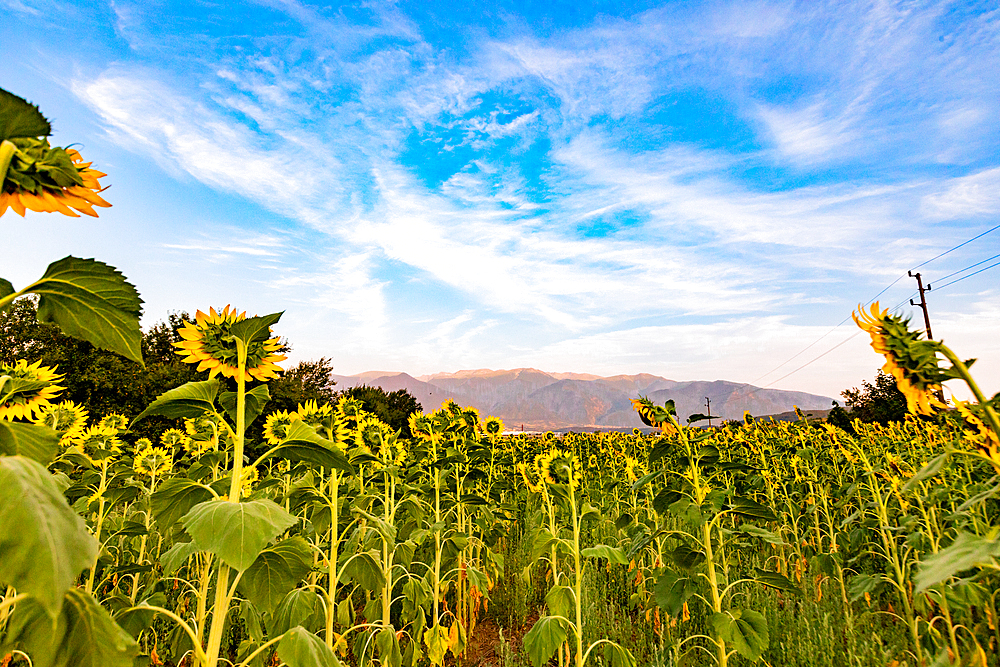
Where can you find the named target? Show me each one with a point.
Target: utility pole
(708, 403)
(923, 302)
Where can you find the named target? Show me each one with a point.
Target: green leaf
(256, 399)
(762, 533)
(255, 329)
(930, 470)
(300, 648)
(32, 440)
(300, 607)
(778, 581)
(436, 639)
(44, 544)
(186, 401)
(20, 119)
(175, 497)
(236, 532)
(276, 571)
(746, 630)
(751, 509)
(363, 570)
(134, 621)
(91, 301)
(561, 601)
(672, 591)
(388, 648)
(610, 554)
(617, 656)
(82, 635)
(966, 552)
(544, 637)
(303, 443)
(177, 555)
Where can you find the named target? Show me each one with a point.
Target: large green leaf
(177, 555)
(20, 119)
(300, 648)
(91, 301)
(256, 399)
(610, 554)
(673, 590)
(255, 329)
(236, 532)
(966, 552)
(32, 440)
(303, 443)
(363, 570)
(175, 498)
(44, 544)
(746, 630)
(617, 656)
(544, 637)
(276, 571)
(300, 607)
(775, 580)
(751, 509)
(188, 400)
(930, 470)
(561, 601)
(82, 635)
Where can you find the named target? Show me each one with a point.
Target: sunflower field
(337, 541)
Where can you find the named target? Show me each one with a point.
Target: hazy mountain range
(548, 401)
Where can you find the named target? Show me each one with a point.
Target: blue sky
(694, 189)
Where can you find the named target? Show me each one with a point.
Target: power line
(958, 280)
(966, 269)
(870, 301)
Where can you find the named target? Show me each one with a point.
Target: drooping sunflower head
(174, 439)
(348, 409)
(276, 426)
(248, 477)
(371, 434)
(654, 415)
(26, 388)
(152, 461)
(493, 426)
(912, 361)
(314, 414)
(532, 486)
(209, 342)
(115, 421)
(65, 418)
(559, 468)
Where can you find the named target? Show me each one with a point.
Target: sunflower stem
(963, 370)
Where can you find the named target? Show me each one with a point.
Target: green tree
(305, 381)
(881, 402)
(394, 408)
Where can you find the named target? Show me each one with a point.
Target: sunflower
(205, 343)
(314, 414)
(174, 439)
(152, 461)
(912, 361)
(65, 418)
(493, 426)
(372, 433)
(633, 469)
(276, 426)
(534, 488)
(248, 477)
(115, 421)
(558, 467)
(26, 388)
(99, 443)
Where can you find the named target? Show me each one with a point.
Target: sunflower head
(912, 361)
(557, 467)
(65, 418)
(532, 486)
(37, 176)
(99, 443)
(633, 469)
(276, 426)
(26, 388)
(210, 343)
(114, 421)
(174, 439)
(314, 414)
(203, 434)
(371, 434)
(248, 477)
(152, 461)
(654, 415)
(493, 426)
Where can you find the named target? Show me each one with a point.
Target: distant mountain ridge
(538, 400)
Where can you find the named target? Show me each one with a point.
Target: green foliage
(20, 118)
(300, 648)
(236, 532)
(394, 408)
(881, 402)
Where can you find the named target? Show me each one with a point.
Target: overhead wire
(872, 300)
